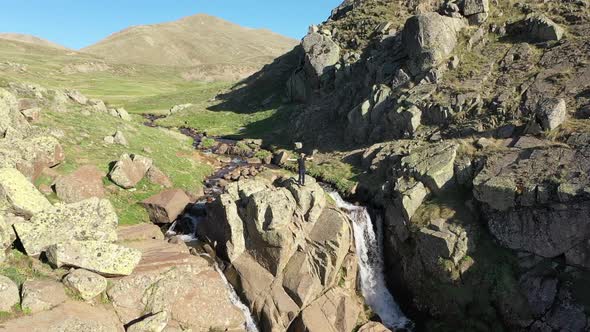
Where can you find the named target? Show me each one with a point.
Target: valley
(149, 182)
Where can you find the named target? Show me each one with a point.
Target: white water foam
(370, 256)
(236, 301)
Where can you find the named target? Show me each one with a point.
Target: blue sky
(79, 23)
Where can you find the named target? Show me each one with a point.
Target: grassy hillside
(192, 41)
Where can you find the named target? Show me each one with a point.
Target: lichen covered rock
(18, 195)
(106, 259)
(92, 219)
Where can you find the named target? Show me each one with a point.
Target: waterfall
(370, 257)
(235, 300)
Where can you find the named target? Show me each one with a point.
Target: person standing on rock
(301, 167)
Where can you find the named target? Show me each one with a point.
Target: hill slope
(24, 38)
(192, 41)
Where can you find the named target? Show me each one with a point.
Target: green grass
(19, 268)
(215, 123)
(332, 171)
(83, 144)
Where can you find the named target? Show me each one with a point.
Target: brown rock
(166, 206)
(84, 183)
(156, 176)
(161, 283)
(41, 295)
(70, 316)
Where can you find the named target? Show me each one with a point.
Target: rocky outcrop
(93, 219)
(167, 206)
(429, 39)
(537, 198)
(83, 183)
(287, 250)
(104, 258)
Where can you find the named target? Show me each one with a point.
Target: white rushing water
(236, 301)
(370, 256)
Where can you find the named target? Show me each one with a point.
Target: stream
(370, 256)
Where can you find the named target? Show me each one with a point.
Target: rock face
(159, 285)
(167, 206)
(85, 283)
(70, 316)
(545, 212)
(103, 258)
(9, 295)
(287, 248)
(41, 295)
(92, 219)
(129, 170)
(19, 196)
(434, 165)
(430, 39)
(84, 183)
(154, 323)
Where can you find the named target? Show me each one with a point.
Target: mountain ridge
(191, 41)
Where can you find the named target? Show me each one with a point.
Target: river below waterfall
(370, 255)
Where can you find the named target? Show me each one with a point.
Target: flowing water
(235, 300)
(370, 256)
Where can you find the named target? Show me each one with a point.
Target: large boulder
(19, 196)
(160, 284)
(322, 53)
(41, 295)
(167, 206)
(92, 219)
(106, 259)
(84, 183)
(71, 316)
(129, 170)
(9, 294)
(539, 27)
(429, 39)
